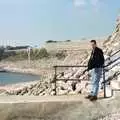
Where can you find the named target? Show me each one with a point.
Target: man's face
(93, 45)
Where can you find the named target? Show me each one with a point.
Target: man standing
(95, 64)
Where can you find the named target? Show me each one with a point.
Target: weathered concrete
(55, 108)
(32, 111)
(34, 108)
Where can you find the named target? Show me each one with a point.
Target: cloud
(83, 3)
(79, 3)
(95, 2)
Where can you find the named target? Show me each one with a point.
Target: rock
(23, 92)
(17, 92)
(101, 94)
(48, 91)
(109, 52)
(62, 85)
(10, 92)
(69, 85)
(108, 91)
(52, 93)
(87, 89)
(38, 85)
(68, 75)
(115, 85)
(62, 92)
(84, 84)
(52, 86)
(118, 78)
(74, 69)
(78, 88)
(116, 68)
(78, 73)
(73, 93)
(42, 94)
(35, 94)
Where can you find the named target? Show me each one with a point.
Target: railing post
(104, 82)
(55, 79)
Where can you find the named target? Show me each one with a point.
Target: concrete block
(115, 85)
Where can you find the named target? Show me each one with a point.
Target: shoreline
(17, 86)
(21, 85)
(8, 68)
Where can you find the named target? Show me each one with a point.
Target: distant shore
(17, 86)
(21, 85)
(10, 68)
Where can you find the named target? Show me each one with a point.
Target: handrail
(112, 62)
(113, 54)
(70, 66)
(116, 74)
(55, 75)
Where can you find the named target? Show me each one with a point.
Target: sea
(7, 78)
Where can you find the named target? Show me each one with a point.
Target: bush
(43, 53)
(61, 54)
(39, 53)
(19, 55)
(68, 41)
(34, 55)
(107, 40)
(51, 41)
(1, 52)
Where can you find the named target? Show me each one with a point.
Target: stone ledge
(52, 108)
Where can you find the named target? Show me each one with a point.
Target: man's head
(93, 44)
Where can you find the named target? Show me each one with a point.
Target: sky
(32, 22)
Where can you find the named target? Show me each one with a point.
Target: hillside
(60, 53)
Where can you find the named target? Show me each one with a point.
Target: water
(11, 78)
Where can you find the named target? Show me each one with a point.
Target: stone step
(115, 85)
(108, 92)
(55, 108)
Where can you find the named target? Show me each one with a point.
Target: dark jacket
(96, 59)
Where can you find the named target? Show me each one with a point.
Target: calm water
(10, 78)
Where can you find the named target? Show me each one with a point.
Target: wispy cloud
(95, 2)
(79, 3)
(82, 3)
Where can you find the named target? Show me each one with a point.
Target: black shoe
(93, 98)
(88, 97)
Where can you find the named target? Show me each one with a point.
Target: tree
(1, 52)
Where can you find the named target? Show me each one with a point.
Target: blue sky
(35, 21)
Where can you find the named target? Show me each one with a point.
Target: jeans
(96, 75)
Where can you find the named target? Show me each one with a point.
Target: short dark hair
(94, 41)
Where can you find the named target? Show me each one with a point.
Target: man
(95, 64)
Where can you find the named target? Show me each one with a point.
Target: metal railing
(84, 66)
(66, 79)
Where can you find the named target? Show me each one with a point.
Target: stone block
(115, 85)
